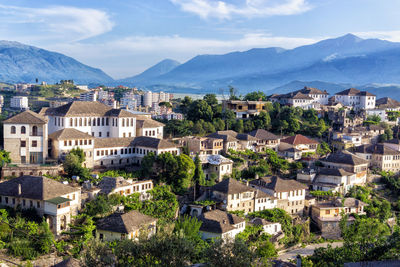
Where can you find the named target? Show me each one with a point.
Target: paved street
(306, 251)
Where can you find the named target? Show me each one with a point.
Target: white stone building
(19, 102)
(356, 99)
(25, 137)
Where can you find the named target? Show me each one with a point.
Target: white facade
(357, 100)
(101, 127)
(381, 113)
(88, 96)
(148, 99)
(19, 102)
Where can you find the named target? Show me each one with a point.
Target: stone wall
(36, 170)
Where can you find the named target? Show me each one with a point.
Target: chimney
(19, 189)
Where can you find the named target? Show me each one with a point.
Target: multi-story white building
(381, 113)
(88, 96)
(25, 137)
(19, 102)
(93, 118)
(356, 99)
(148, 99)
(290, 193)
(305, 98)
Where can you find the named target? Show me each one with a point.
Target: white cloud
(393, 36)
(128, 56)
(56, 22)
(249, 8)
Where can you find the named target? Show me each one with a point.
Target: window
(23, 130)
(107, 121)
(38, 204)
(23, 143)
(65, 143)
(102, 121)
(6, 198)
(99, 134)
(13, 129)
(108, 134)
(327, 212)
(34, 143)
(70, 142)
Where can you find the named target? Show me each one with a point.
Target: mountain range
(331, 64)
(24, 63)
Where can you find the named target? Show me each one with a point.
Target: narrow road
(306, 251)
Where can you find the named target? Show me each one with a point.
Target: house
(229, 139)
(355, 98)
(349, 162)
(125, 187)
(290, 193)
(63, 141)
(235, 196)
(25, 137)
(293, 145)
(305, 98)
(216, 165)
(381, 113)
(289, 152)
(335, 180)
(380, 156)
(266, 139)
(244, 109)
(19, 102)
(271, 228)
(203, 145)
(149, 127)
(327, 215)
(55, 201)
(130, 225)
(388, 104)
(220, 224)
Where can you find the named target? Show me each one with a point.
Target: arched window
(98, 122)
(85, 122)
(34, 131)
(80, 121)
(13, 129)
(23, 130)
(71, 122)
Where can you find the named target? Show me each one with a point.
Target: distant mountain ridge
(24, 63)
(347, 59)
(160, 68)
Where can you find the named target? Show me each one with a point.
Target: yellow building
(244, 109)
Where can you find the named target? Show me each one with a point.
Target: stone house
(220, 224)
(348, 162)
(327, 215)
(130, 225)
(25, 137)
(55, 201)
(290, 193)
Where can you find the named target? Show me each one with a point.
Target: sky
(125, 37)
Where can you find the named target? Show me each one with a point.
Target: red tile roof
(298, 139)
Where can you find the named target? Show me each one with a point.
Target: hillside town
(100, 176)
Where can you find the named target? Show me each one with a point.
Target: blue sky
(124, 37)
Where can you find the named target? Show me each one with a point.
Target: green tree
(199, 178)
(255, 96)
(4, 158)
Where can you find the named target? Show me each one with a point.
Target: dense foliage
(206, 116)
